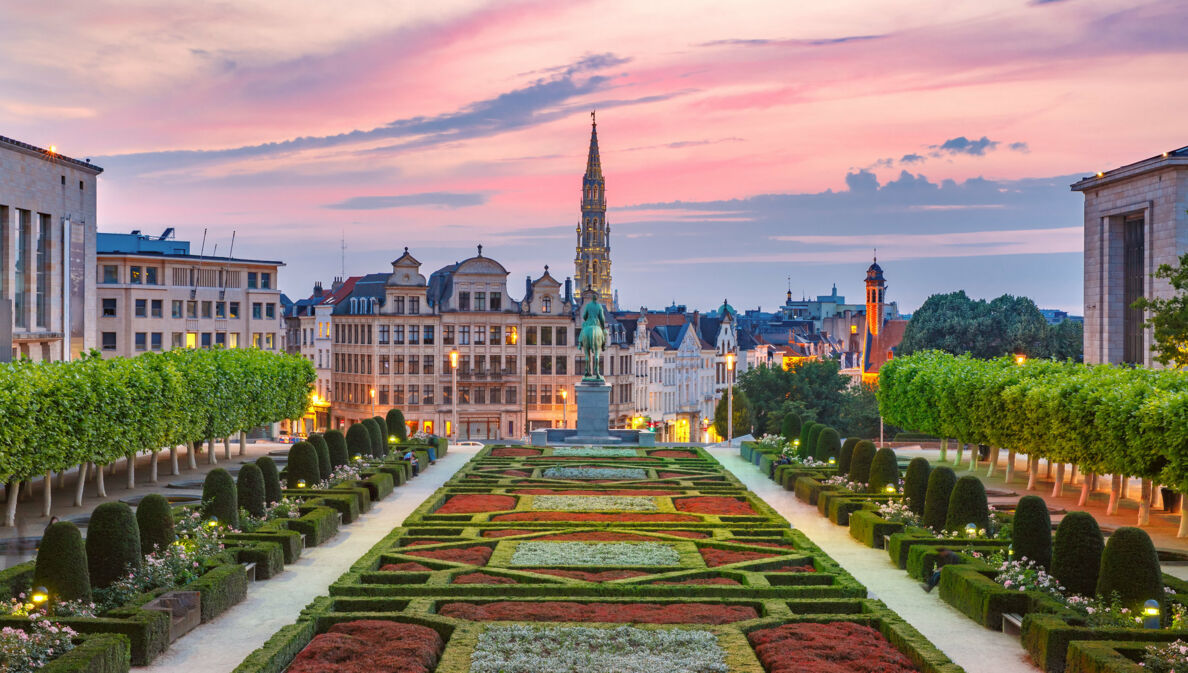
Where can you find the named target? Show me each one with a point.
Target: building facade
(154, 295)
(47, 253)
(1136, 218)
(592, 263)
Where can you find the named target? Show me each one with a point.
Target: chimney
(527, 286)
(336, 284)
(569, 290)
(318, 292)
(697, 322)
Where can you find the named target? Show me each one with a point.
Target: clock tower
(592, 262)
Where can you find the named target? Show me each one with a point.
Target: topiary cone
(828, 445)
(915, 484)
(319, 444)
(272, 486)
(396, 424)
(941, 481)
(154, 518)
(1130, 567)
(303, 465)
(249, 488)
(382, 424)
(967, 504)
(884, 471)
(864, 453)
(358, 441)
(338, 448)
(113, 543)
(1076, 553)
(1031, 533)
(62, 564)
(813, 437)
(373, 433)
(802, 448)
(790, 426)
(218, 497)
(846, 455)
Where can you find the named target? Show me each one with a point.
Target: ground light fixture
(212, 522)
(890, 487)
(40, 596)
(1151, 614)
(971, 529)
(391, 439)
(832, 460)
(300, 483)
(358, 458)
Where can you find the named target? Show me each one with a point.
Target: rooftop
(137, 243)
(1171, 158)
(50, 154)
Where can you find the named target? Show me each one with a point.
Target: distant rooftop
(165, 245)
(1172, 158)
(49, 154)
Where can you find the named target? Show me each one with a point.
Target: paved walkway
(221, 645)
(974, 648)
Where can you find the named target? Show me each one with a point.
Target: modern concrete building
(154, 295)
(47, 253)
(1136, 218)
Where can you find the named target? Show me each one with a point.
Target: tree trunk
(49, 482)
(993, 461)
(1095, 480)
(28, 488)
(211, 458)
(973, 457)
(1183, 532)
(14, 489)
(1125, 487)
(131, 461)
(1156, 496)
(960, 448)
(1144, 513)
(192, 455)
(61, 478)
(227, 447)
(102, 490)
(944, 450)
(173, 468)
(243, 443)
(1072, 475)
(1086, 487)
(1010, 467)
(1032, 471)
(1048, 470)
(1115, 491)
(81, 485)
(154, 455)
(1058, 484)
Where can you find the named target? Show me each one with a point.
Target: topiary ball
(154, 518)
(62, 563)
(323, 449)
(113, 543)
(790, 426)
(338, 448)
(915, 484)
(396, 424)
(941, 481)
(1076, 553)
(303, 466)
(803, 447)
(373, 432)
(967, 504)
(219, 499)
(249, 488)
(358, 441)
(1130, 567)
(1031, 532)
(828, 445)
(864, 453)
(846, 454)
(272, 485)
(884, 471)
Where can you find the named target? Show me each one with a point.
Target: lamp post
(565, 407)
(454, 395)
(730, 399)
(373, 402)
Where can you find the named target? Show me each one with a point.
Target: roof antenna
(344, 253)
(876, 255)
(202, 251)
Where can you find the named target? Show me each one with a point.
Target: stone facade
(47, 251)
(1152, 195)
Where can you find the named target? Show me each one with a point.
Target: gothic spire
(593, 162)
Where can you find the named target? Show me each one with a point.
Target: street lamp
(730, 399)
(565, 407)
(373, 402)
(454, 396)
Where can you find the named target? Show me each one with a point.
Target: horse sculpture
(592, 339)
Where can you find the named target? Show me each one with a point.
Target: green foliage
(809, 450)
(864, 453)
(323, 449)
(62, 563)
(396, 424)
(915, 484)
(358, 440)
(272, 485)
(382, 424)
(884, 470)
(859, 415)
(1076, 553)
(941, 481)
(817, 385)
(846, 454)
(338, 448)
(1169, 316)
(249, 487)
(219, 499)
(373, 433)
(806, 431)
(967, 504)
(154, 518)
(113, 543)
(1031, 532)
(1130, 567)
(303, 465)
(742, 414)
(790, 426)
(828, 445)
(954, 323)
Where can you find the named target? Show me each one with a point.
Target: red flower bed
(773, 545)
(417, 543)
(837, 647)
(516, 473)
(473, 503)
(635, 613)
(506, 532)
(792, 569)
(595, 458)
(708, 504)
(572, 491)
(707, 580)
(370, 645)
(678, 475)
(603, 576)
(720, 557)
(482, 578)
(513, 453)
(598, 536)
(670, 453)
(473, 555)
(590, 516)
(691, 534)
(406, 567)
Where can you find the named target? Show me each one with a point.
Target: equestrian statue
(592, 339)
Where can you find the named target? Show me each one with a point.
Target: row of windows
(31, 270)
(451, 335)
(417, 394)
(152, 308)
(186, 277)
(143, 341)
(483, 301)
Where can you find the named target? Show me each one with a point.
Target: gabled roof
(344, 291)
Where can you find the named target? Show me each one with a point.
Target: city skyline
(779, 141)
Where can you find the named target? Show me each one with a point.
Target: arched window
(354, 305)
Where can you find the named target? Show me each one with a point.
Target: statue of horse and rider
(592, 339)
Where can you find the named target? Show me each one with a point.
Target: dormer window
(547, 304)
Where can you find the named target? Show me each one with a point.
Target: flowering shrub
(720, 557)
(510, 452)
(577, 491)
(702, 581)
(483, 578)
(575, 503)
(821, 648)
(771, 442)
(714, 505)
(595, 554)
(593, 452)
(348, 472)
(842, 481)
(594, 473)
(370, 645)
(406, 567)
(590, 576)
(286, 508)
(625, 649)
(473, 555)
(24, 651)
(564, 611)
(472, 503)
(672, 453)
(592, 516)
(896, 511)
(1166, 657)
(1027, 575)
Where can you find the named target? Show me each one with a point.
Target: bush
(272, 486)
(154, 518)
(828, 445)
(967, 504)
(1031, 532)
(62, 563)
(303, 465)
(915, 484)
(846, 454)
(113, 543)
(249, 488)
(219, 499)
(338, 448)
(790, 426)
(373, 432)
(396, 425)
(864, 453)
(358, 441)
(814, 434)
(884, 470)
(936, 499)
(802, 448)
(382, 424)
(323, 449)
(1130, 566)
(1076, 553)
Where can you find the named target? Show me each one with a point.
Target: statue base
(593, 422)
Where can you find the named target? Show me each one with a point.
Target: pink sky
(478, 112)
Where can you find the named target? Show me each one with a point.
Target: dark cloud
(963, 145)
(912, 158)
(434, 199)
(1019, 147)
(791, 42)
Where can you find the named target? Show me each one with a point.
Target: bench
(886, 542)
(1012, 623)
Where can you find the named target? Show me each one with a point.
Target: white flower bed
(578, 503)
(595, 473)
(595, 554)
(594, 452)
(578, 649)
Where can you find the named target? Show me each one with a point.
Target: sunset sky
(743, 143)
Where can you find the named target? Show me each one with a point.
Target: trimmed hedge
(814, 436)
(845, 455)
(154, 518)
(884, 471)
(323, 449)
(377, 441)
(97, 653)
(828, 445)
(864, 453)
(219, 499)
(1076, 553)
(1130, 566)
(113, 543)
(1031, 534)
(358, 441)
(62, 563)
(396, 424)
(303, 466)
(967, 504)
(275, 532)
(382, 424)
(318, 524)
(338, 448)
(869, 528)
(249, 489)
(272, 485)
(803, 447)
(915, 484)
(269, 557)
(979, 597)
(790, 426)
(941, 481)
(221, 588)
(1047, 636)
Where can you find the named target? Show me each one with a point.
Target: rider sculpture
(592, 339)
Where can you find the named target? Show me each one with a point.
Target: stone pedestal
(593, 414)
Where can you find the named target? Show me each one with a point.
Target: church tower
(876, 292)
(592, 262)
